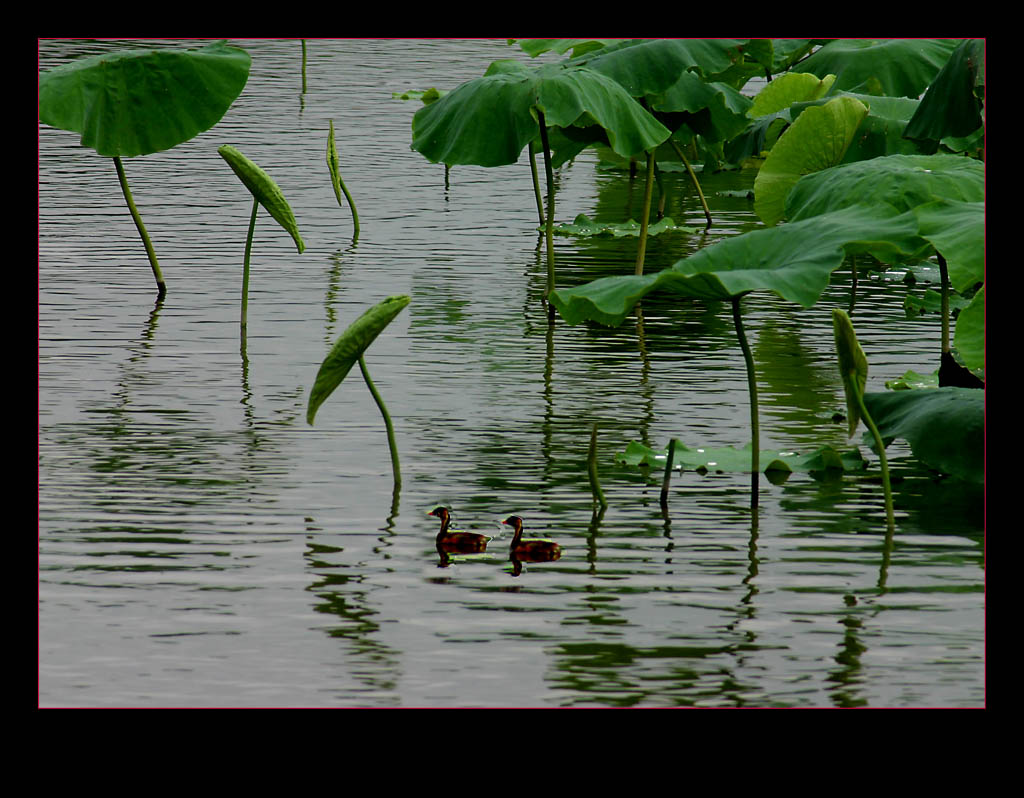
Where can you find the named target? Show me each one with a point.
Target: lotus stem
(693, 177)
(245, 263)
(303, 66)
(668, 473)
(595, 485)
(645, 214)
(944, 274)
(883, 462)
(549, 222)
(395, 468)
(161, 287)
(755, 445)
(536, 183)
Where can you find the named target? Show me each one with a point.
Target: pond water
(201, 545)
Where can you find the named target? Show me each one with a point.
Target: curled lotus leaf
(264, 189)
(350, 346)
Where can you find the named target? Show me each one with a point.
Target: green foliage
(853, 366)
(490, 120)
(794, 260)
(136, 102)
(817, 140)
(350, 347)
(793, 87)
(264, 190)
(954, 102)
(945, 427)
(893, 67)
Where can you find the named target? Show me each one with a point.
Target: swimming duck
(455, 540)
(531, 550)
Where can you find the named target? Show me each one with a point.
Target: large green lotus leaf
(794, 260)
(894, 67)
(945, 427)
(650, 66)
(881, 132)
(817, 139)
(349, 347)
(264, 189)
(715, 111)
(903, 181)
(793, 87)
(957, 230)
(535, 47)
(951, 106)
(488, 121)
(969, 338)
(731, 459)
(136, 102)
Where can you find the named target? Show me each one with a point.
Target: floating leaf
(264, 189)
(817, 139)
(945, 427)
(136, 102)
(731, 459)
(583, 226)
(350, 347)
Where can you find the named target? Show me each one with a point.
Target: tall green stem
(755, 445)
(549, 222)
(693, 177)
(536, 183)
(646, 214)
(944, 274)
(245, 264)
(668, 473)
(395, 468)
(883, 462)
(595, 485)
(160, 285)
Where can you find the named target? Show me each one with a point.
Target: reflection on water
(201, 545)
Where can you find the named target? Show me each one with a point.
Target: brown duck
(531, 549)
(455, 540)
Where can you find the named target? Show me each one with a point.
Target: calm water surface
(201, 545)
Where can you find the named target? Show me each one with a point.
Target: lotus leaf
(264, 190)
(957, 230)
(952, 105)
(136, 102)
(490, 120)
(894, 67)
(817, 139)
(787, 89)
(970, 333)
(945, 427)
(903, 181)
(794, 260)
(350, 347)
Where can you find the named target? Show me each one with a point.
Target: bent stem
(245, 265)
(882, 462)
(755, 445)
(395, 468)
(693, 177)
(157, 274)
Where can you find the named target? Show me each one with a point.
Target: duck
(533, 549)
(455, 540)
